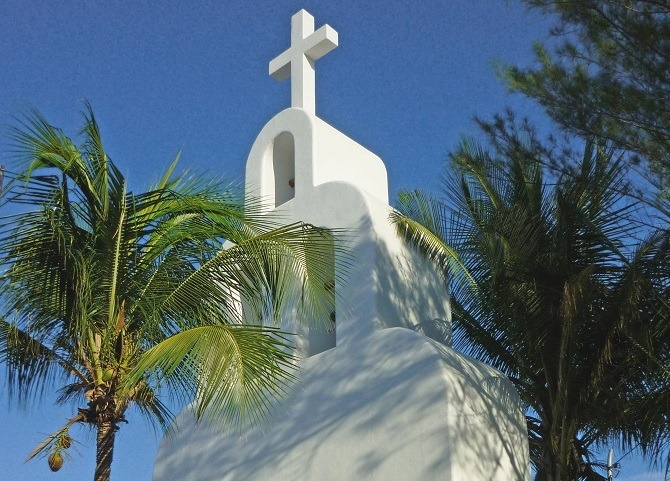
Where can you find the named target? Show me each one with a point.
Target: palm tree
(120, 299)
(548, 286)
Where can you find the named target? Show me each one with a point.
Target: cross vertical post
(297, 61)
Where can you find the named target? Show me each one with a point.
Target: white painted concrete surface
(392, 406)
(383, 397)
(307, 46)
(386, 402)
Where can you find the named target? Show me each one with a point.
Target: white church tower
(381, 396)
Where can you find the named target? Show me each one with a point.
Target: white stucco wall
(386, 403)
(322, 154)
(395, 406)
(339, 184)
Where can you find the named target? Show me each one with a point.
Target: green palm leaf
(547, 287)
(128, 298)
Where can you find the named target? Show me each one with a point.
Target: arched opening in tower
(283, 164)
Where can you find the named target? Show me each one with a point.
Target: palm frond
(130, 297)
(233, 371)
(419, 220)
(549, 289)
(31, 364)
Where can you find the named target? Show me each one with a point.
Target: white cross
(298, 61)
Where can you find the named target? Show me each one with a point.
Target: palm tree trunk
(104, 450)
(550, 469)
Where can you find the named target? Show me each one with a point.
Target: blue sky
(404, 82)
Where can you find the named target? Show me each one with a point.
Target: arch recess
(283, 167)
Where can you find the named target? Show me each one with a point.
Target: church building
(381, 395)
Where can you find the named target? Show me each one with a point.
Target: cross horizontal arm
(280, 66)
(320, 42)
(315, 46)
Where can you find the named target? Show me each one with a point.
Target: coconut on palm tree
(120, 299)
(550, 285)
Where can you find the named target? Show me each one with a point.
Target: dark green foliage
(113, 300)
(549, 287)
(608, 74)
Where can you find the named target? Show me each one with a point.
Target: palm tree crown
(547, 288)
(120, 299)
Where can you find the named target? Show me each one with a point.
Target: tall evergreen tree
(114, 300)
(607, 75)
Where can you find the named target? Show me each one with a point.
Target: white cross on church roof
(298, 60)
